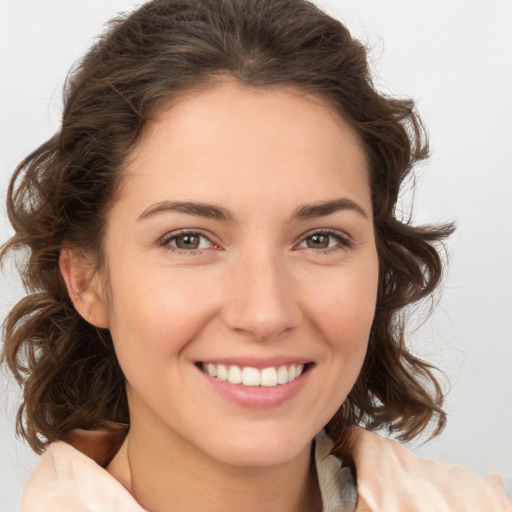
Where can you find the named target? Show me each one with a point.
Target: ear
(84, 287)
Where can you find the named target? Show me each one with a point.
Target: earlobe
(84, 287)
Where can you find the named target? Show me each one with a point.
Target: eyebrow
(209, 211)
(325, 208)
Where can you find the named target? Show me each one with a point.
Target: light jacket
(390, 478)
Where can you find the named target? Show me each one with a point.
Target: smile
(249, 376)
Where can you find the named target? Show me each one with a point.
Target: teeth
(282, 375)
(248, 376)
(269, 377)
(222, 372)
(234, 375)
(212, 370)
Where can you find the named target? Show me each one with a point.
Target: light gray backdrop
(454, 57)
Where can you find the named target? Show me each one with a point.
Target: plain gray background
(454, 58)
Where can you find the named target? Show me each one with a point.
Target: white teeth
(282, 375)
(212, 370)
(249, 376)
(269, 377)
(222, 372)
(234, 375)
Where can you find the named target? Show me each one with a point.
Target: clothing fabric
(390, 478)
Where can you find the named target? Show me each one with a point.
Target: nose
(261, 302)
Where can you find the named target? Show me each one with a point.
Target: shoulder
(65, 479)
(390, 477)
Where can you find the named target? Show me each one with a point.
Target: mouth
(269, 377)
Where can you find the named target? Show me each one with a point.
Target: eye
(187, 241)
(325, 240)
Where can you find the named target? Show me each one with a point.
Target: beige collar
(389, 478)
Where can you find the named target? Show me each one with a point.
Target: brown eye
(188, 241)
(326, 241)
(318, 241)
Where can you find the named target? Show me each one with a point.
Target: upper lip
(255, 362)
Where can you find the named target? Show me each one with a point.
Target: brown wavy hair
(59, 197)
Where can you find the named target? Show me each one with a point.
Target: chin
(260, 449)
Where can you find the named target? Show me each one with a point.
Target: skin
(258, 286)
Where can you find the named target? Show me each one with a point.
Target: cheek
(342, 311)
(155, 316)
(344, 304)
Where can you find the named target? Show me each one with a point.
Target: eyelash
(344, 241)
(167, 239)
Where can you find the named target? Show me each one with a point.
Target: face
(242, 272)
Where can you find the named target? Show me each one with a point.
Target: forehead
(232, 140)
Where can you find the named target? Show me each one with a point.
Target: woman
(217, 274)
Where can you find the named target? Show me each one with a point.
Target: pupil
(318, 241)
(188, 242)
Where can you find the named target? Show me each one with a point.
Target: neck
(173, 475)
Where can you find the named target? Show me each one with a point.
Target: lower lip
(257, 397)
